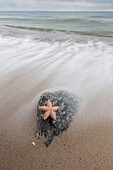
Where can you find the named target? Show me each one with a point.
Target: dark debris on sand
(68, 103)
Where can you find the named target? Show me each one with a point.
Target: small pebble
(33, 143)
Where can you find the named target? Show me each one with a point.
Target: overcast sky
(57, 5)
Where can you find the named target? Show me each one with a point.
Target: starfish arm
(46, 114)
(49, 103)
(55, 108)
(53, 115)
(43, 108)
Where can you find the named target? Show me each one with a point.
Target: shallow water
(27, 64)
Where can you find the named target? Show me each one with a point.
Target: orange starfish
(49, 110)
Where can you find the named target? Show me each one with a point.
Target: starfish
(49, 110)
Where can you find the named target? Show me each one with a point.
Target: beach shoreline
(33, 61)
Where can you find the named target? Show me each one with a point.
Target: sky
(57, 5)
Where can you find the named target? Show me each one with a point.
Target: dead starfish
(49, 110)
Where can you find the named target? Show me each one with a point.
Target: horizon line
(56, 11)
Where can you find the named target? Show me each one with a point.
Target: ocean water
(84, 23)
(55, 50)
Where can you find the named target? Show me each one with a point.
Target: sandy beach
(86, 145)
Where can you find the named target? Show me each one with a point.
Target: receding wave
(101, 34)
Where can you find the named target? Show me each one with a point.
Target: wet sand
(86, 145)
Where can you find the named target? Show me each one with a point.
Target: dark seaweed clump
(68, 103)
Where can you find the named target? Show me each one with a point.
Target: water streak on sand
(28, 63)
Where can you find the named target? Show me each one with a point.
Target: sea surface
(84, 23)
(55, 50)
